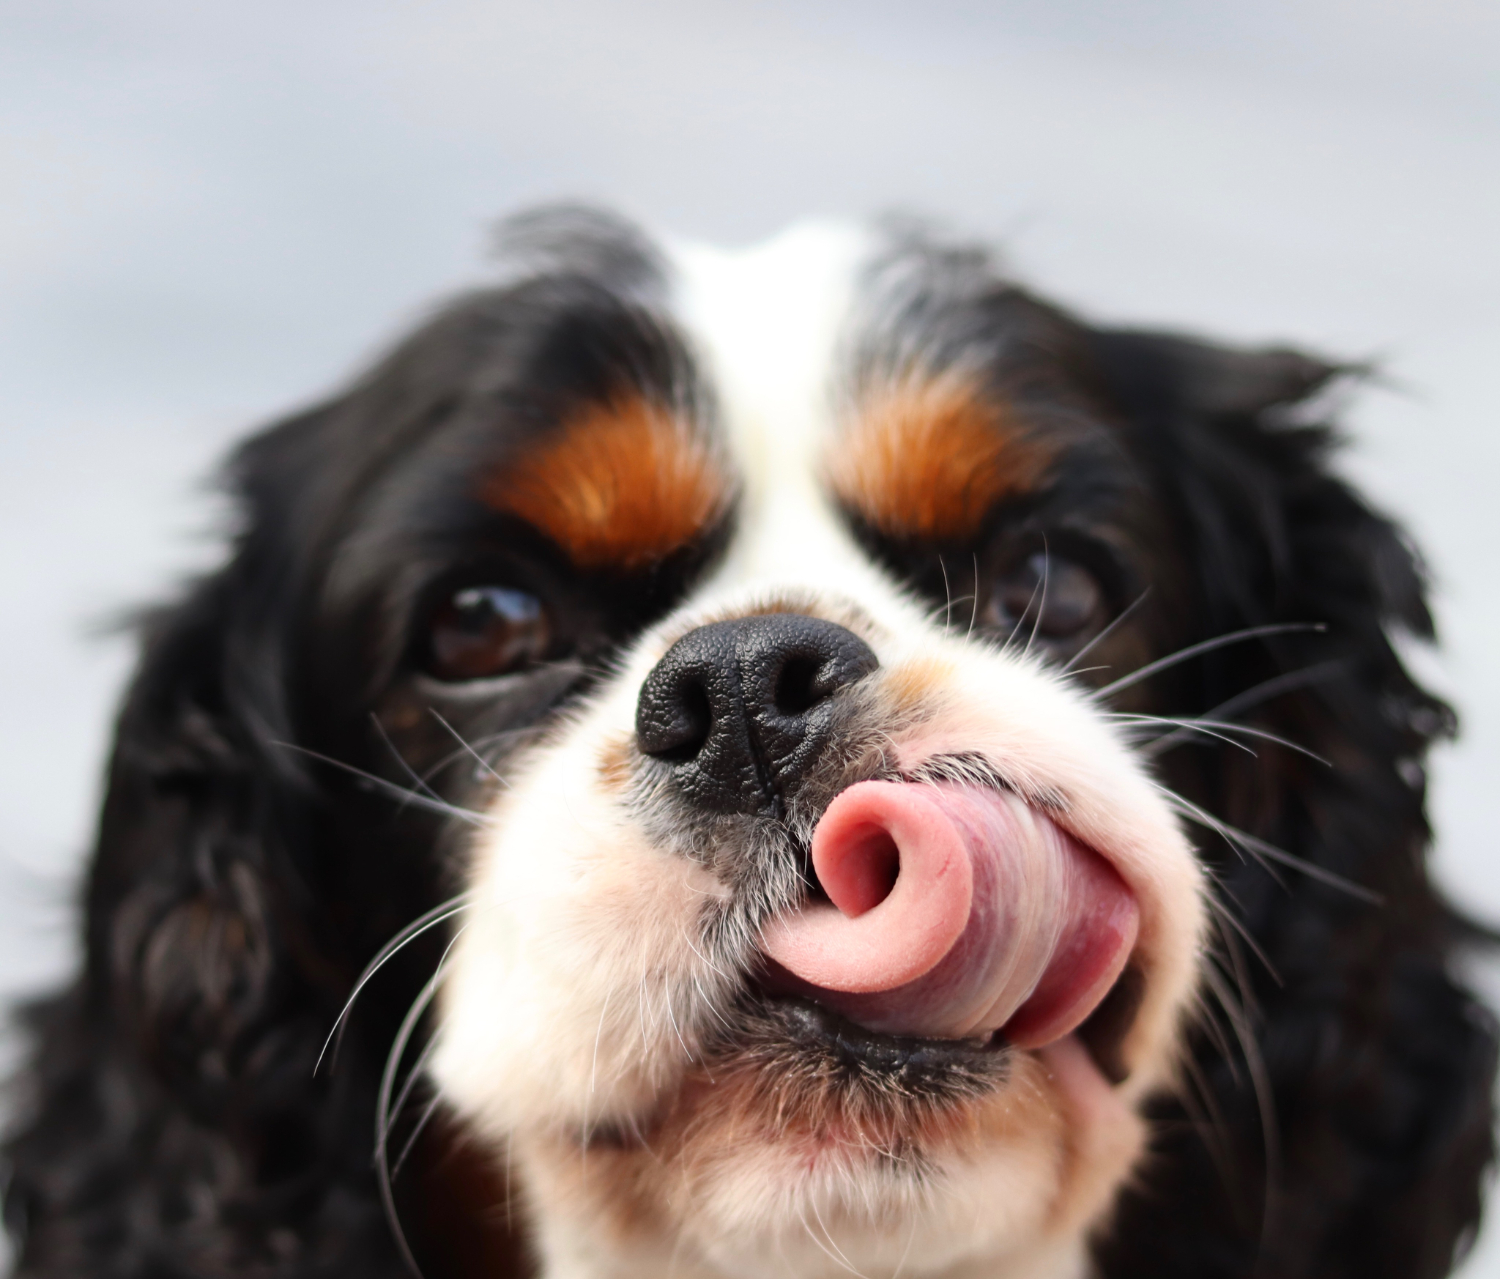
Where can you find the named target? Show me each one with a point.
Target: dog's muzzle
(945, 911)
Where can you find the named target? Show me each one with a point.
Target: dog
(796, 762)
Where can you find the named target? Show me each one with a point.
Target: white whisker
(1083, 652)
(411, 1142)
(478, 758)
(1041, 608)
(407, 797)
(1260, 1081)
(1255, 695)
(1216, 728)
(413, 1077)
(1263, 851)
(400, 759)
(1224, 915)
(974, 598)
(383, 1102)
(1202, 729)
(1197, 650)
(429, 919)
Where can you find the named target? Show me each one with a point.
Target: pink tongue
(955, 911)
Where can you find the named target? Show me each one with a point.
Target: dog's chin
(796, 1130)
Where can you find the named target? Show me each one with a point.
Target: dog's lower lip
(815, 1025)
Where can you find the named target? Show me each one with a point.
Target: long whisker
(588, 1101)
(1260, 734)
(435, 805)
(383, 1103)
(1188, 725)
(1255, 695)
(1041, 609)
(1260, 1079)
(911, 1238)
(1025, 613)
(1224, 915)
(1275, 686)
(1198, 1097)
(1310, 869)
(1203, 1109)
(973, 602)
(1208, 1018)
(1263, 851)
(824, 1247)
(417, 1129)
(1105, 633)
(400, 759)
(827, 1234)
(479, 743)
(430, 919)
(413, 1078)
(1223, 726)
(1204, 646)
(458, 737)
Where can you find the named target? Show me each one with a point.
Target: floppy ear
(1348, 1133)
(171, 1122)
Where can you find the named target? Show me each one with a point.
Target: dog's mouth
(795, 1034)
(954, 923)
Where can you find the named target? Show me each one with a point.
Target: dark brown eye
(1057, 596)
(483, 631)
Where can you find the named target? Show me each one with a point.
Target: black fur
(170, 1121)
(1377, 1064)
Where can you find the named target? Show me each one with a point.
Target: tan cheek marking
(622, 484)
(614, 764)
(928, 459)
(919, 687)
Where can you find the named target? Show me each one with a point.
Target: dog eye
(1058, 596)
(483, 631)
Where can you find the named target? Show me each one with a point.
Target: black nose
(742, 709)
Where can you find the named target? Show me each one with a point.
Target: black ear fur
(171, 1123)
(1378, 1065)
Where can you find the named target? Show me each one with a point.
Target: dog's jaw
(587, 1023)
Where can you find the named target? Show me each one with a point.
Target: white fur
(579, 991)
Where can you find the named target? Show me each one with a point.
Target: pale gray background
(211, 212)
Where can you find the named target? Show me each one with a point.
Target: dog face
(867, 519)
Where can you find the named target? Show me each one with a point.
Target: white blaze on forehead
(767, 321)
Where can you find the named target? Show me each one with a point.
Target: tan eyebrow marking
(622, 484)
(928, 458)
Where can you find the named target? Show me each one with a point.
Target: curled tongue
(955, 911)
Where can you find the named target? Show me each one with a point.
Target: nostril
(798, 689)
(697, 723)
(679, 734)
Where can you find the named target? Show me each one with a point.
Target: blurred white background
(211, 213)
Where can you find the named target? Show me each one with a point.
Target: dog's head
(751, 706)
(834, 917)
